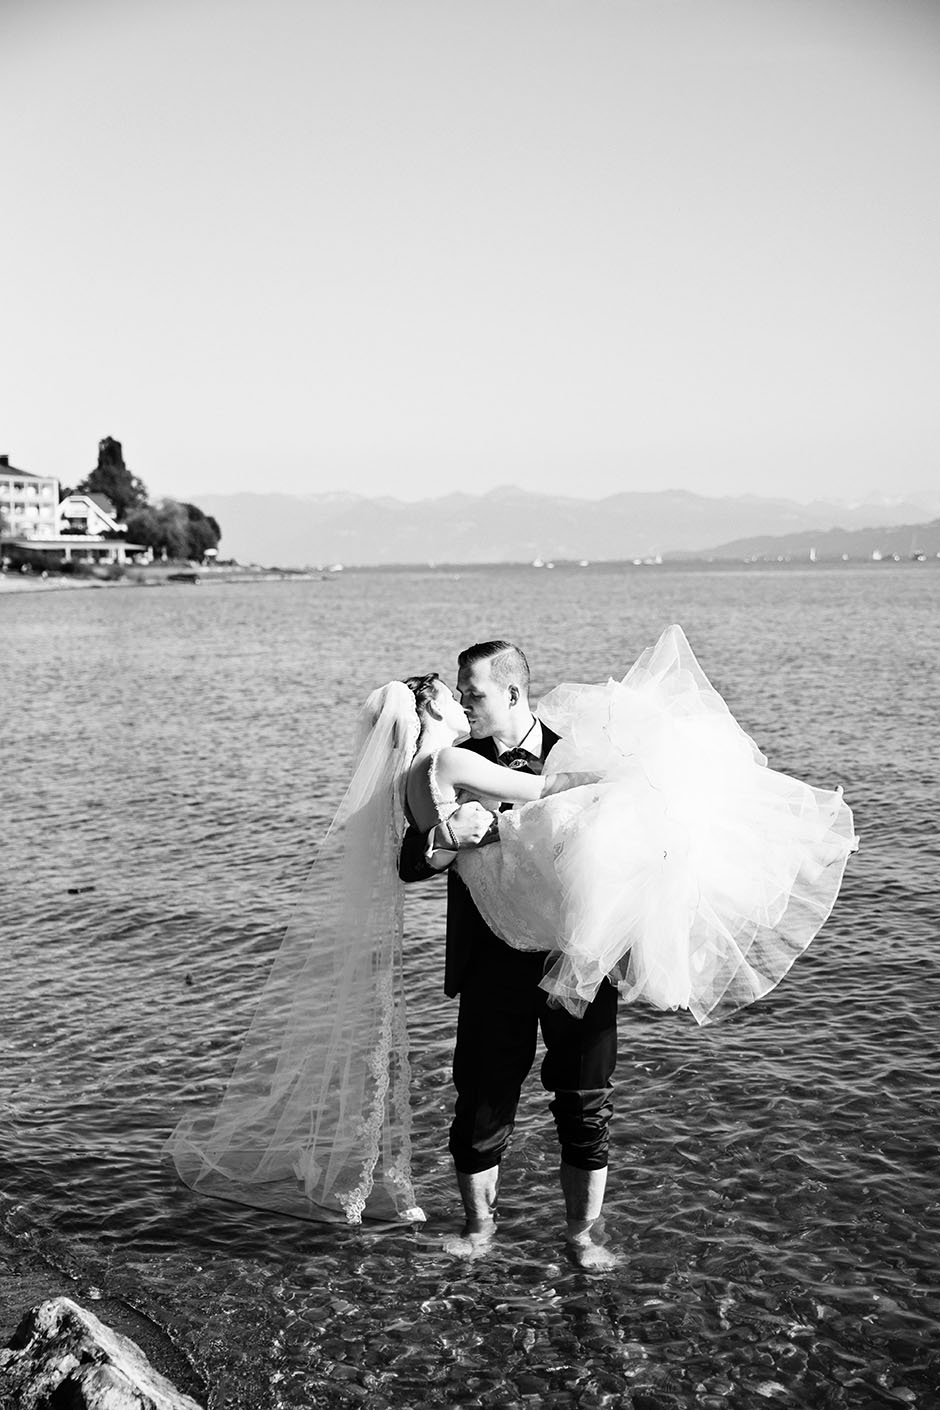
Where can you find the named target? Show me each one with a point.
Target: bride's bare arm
(461, 768)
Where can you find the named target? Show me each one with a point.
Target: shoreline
(144, 578)
(29, 1277)
(12, 583)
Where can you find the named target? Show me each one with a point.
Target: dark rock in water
(62, 1355)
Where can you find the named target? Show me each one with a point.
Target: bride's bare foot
(471, 1243)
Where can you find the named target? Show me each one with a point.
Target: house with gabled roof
(88, 513)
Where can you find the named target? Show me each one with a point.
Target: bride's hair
(424, 689)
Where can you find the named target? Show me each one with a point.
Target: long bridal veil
(315, 1120)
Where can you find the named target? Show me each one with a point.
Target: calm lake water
(170, 757)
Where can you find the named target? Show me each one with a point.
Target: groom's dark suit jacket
(464, 922)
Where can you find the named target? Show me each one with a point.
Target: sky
(411, 247)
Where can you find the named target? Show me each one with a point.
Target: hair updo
(424, 689)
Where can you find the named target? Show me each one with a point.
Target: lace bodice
(444, 801)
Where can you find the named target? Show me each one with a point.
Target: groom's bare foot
(587, 1246)
(590, 1255)
(471, 1243)
(478, 1192)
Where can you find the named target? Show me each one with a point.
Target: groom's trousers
(501, 1011)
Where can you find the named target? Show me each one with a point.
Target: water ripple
(776, 1180)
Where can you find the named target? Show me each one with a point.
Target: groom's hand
(470, 824)
(467, 827)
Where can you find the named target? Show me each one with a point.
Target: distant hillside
(900, 540)
(510, 525)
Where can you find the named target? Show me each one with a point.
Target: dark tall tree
(111, 477)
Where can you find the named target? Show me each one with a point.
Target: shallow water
(170, 757)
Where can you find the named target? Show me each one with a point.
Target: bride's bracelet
(450, 843)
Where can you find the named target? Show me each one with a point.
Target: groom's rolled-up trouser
(501, 1010)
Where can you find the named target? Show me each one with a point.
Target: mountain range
(513, 525)
(897, 541)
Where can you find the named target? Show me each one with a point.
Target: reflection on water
(170, 758)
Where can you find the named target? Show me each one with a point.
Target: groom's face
(488, 704)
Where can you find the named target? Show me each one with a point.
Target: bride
(659, 849)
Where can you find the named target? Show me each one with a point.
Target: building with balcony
(29, 504)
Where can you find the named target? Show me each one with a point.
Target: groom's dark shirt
(464, 922)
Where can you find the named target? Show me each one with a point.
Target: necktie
(521, 759)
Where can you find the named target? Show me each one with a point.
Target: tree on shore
(112, 478)
(177, 529)
(203, 531)
(171, 527)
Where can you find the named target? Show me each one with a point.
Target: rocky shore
(62, 1338)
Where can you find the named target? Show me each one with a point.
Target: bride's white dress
(690, 873)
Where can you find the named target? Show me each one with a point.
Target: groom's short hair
(508, 663)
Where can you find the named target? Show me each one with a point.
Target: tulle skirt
(690, 873)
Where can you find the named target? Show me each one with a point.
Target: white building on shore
(84, 528)
(29, 504)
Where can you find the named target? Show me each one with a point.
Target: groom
(501, 1004)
